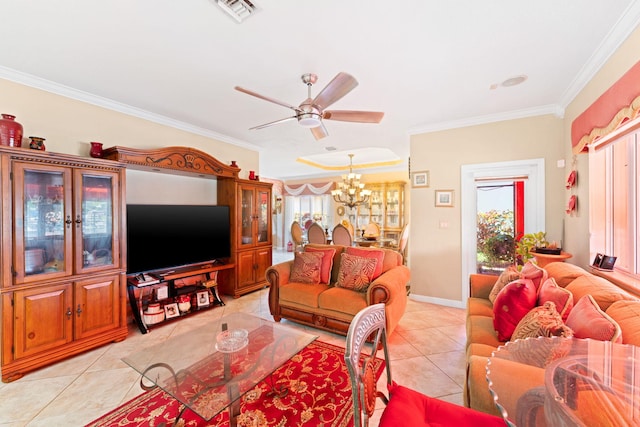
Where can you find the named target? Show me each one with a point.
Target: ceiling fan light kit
(239, 10)
(310, 113)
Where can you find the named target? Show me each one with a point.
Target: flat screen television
(162, 237)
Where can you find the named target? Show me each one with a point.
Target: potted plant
(532, 243)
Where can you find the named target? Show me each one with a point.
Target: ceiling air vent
(237, 9)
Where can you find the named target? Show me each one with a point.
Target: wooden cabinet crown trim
(174, 160)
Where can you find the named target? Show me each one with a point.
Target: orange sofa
(482, 339)
(331, 308)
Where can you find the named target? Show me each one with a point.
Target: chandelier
(351, 191)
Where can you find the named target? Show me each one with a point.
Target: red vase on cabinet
(96, 149)
(10, 131)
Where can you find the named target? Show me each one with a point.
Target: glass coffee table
(566, 382)
(209, 368)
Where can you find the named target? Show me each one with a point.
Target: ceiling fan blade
(319, 132)
(353, 116)
(272, 123)
(266, 98)
(341, 85)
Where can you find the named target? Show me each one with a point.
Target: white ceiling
(427, 64)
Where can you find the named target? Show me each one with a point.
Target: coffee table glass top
(207, 369)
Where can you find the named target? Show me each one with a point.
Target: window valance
(619, 104)
(309, 189)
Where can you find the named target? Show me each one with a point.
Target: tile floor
(427, 352)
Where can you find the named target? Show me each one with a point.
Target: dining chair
(297, 235)
(404, 406)
(349, 226)
(403, 240)
(316, 234)
(341, 236)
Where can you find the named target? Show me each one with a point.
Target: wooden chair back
(341, 236)
(316, 234)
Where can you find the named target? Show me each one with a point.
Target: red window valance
(619, 104)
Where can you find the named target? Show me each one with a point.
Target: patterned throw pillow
(306, 267)
(369, 253)
(508, 275)
(356, 272)
(542, 321)
(327, 262)
(562, 298)
(512, 303)
(588, 321)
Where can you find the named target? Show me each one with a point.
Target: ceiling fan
(311, 112)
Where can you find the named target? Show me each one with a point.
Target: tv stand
(196, 284)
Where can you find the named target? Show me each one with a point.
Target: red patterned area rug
(319, 395)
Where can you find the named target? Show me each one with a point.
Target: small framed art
(171, 310)
(203, 298)
(420, 179)
(444, 198)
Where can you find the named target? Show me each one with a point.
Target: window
(614, 199)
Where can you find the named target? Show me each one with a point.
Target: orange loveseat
(482, 338)
(329, 307)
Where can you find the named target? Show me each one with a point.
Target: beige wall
(69, 125)
(435, 255)
(577, 227)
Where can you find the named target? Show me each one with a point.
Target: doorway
(531, 214)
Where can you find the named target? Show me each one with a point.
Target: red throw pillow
(306, 268)
(533, 272)
(562, 298)
(369, 253)
(513, 302)
(588, 321)
(356, 272)
(408, 407)
(327, 262)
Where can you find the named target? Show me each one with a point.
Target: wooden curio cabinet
(250, 203)
(62, 277)
(385, 207)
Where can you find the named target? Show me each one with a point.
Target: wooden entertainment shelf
(249, 203)
(169, 287)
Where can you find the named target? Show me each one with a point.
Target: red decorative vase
(96, 149)
(252, 175)
(10, 131)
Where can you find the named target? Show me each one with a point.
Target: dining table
(376, 242)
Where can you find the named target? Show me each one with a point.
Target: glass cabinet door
(246, 229)
(43, 222)
(94, 219)
(393, 207)
(263, 215)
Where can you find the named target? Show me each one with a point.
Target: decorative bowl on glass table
(232, 340)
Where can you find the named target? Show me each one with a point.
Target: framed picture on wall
(420, 179)
(444, 198)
